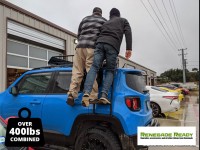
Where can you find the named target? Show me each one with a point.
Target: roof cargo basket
(61, 61)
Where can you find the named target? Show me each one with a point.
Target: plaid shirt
(89, 30)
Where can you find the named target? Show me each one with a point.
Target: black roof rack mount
(61, 60)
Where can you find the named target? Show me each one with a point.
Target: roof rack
(66, 61)
(58, 61)
(61, 60)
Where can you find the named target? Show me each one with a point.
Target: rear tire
(156, 109)
(97, 139)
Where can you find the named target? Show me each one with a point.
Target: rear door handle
(35, 102)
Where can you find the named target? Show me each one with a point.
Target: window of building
(36, 52)
(17, 48)
(14, 60)
(25, 56)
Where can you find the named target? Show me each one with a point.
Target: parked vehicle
(180, 86)
(189, 85)
(169, 86)
(3, 124)
(180, 95)
(162, 101)
(184, 90)
(179, 89)
(44, 92)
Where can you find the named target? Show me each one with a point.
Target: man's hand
(128, 54)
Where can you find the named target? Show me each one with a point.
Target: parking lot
(188, 115)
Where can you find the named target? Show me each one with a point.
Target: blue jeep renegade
(97, 127)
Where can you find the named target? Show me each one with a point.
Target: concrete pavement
(188, 116)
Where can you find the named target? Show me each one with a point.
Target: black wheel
(156, 109)
(161, 115)
(97, 139)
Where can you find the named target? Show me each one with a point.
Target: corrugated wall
(9, 13)
(2, 48)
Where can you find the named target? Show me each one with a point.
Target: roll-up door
(20, 30)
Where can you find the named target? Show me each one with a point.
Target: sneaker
(104, 99)
(94, 101)
(85, 100)
(70, 100)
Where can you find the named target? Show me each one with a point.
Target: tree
(195, 69)
(176, 75)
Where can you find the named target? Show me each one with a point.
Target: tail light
(133, 103)
(171, 97)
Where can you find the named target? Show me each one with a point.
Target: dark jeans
(102, 51)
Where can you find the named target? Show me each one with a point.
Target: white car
(162, 101)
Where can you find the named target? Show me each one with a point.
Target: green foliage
(176, 75)
(195, 69)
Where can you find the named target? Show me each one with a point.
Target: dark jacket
(89, 30)
(112, 33)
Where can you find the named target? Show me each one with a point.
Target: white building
(28, 41)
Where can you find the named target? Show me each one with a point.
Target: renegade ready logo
(167, 136)
(175, 135)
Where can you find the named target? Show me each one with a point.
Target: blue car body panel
(59, 117)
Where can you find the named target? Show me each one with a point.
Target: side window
(62, 83)
(34, 83)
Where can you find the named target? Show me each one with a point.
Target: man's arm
(79, 29)
(128, 54)
(128, 36)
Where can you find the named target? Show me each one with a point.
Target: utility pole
(183, 64)
(185, 61)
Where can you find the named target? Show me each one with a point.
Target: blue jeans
(102, 51)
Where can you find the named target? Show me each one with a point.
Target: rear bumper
(175, 105)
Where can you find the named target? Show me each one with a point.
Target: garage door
(29, 33)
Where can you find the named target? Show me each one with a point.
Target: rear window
(136, 82)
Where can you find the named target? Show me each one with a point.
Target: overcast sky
(151, 48)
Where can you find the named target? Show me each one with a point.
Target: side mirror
(14, 91)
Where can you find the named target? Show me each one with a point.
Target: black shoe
(104, 99)
(70, 100)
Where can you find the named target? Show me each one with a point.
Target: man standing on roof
(108, 47)
(88, 33)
